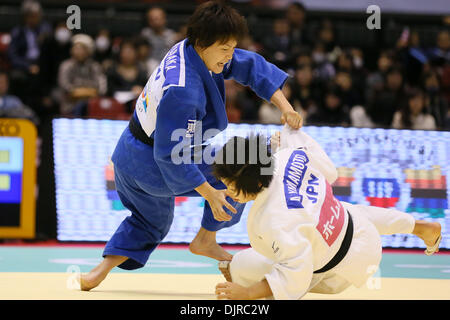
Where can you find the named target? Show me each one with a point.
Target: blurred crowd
(49, 70)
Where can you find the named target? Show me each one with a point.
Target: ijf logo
(144, 98)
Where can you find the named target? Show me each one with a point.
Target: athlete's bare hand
(292, 118)
(232, 291)
(275, 141)
(217, 200)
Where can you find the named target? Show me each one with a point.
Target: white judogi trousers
(249, 267)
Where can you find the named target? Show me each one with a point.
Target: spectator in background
(11, 106)
(144, 55)
(277, 45)
(322, 66)
(302, 57)
(375, 80)
(412, 56)
(331, 110)
(326, 36)
(157, 33)
(240, 104)
(437, 103)
(305, 91)
(345, 63)
(296, 16)
(413, 114)
(445, 81)
(269, 113)
(350, 96)
(80, 77)
(103, 48)
(234, 114)
(385, 102)
(181, 33)
(5, 39)
(447, 121)
(126, 77)
(25, 52)
(232, 107)
(440, 54)
(358, 59)
(26, 40)
(56, 50)
(248, 102)
(247, 43)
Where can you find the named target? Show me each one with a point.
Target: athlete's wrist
(205, 190)
(280, 101)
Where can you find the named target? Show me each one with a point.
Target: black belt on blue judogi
(139, 133)
(342, 250)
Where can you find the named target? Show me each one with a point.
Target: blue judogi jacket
(180, 94)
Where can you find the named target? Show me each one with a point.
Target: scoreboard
(17, 178)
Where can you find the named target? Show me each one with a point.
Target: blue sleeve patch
(293, 178)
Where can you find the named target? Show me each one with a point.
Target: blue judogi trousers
(151, 217)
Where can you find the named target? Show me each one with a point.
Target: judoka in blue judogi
(180, 94)
(180, 108)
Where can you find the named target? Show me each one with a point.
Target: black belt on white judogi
(342, 250)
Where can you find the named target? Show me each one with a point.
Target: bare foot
(98, 274)
(89, 281)
(430, 233)
(211, 250)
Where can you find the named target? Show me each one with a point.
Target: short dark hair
(215, 21)
(333, 89)
(298, 5)
(405, 111)
(142, 41)
(155, 7)
(244, 169)
(303, 66)
(127, 42)
(395, 69)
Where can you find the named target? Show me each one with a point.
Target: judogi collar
(214, 83)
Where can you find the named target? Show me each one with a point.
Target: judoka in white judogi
(296, 226)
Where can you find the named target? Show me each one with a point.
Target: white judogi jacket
(297, 222)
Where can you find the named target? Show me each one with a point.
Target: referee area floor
(173, 273)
